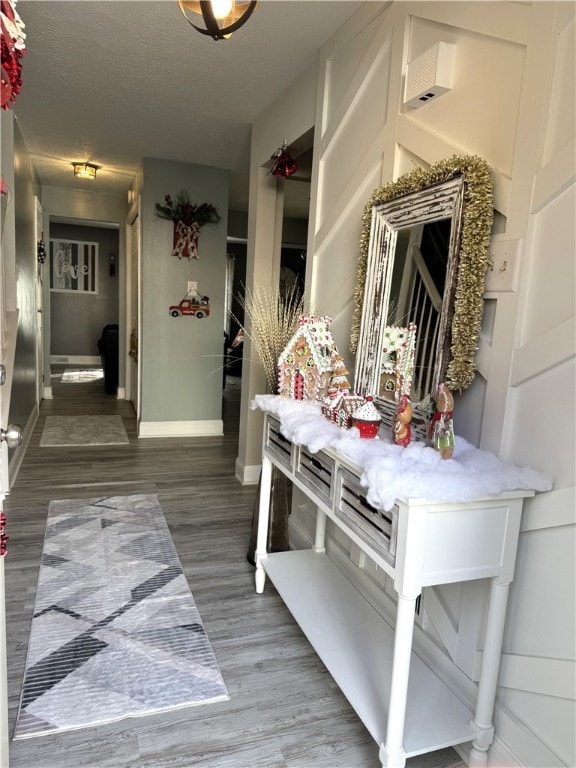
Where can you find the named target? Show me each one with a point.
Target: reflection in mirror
(424, 253)
(416, 291)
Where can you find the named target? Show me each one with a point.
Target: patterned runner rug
(62, 431)
(81, 375)
(115, 632)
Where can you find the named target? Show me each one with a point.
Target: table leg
(482, 722)
(263, 515)
(392, 754)
(320, 537)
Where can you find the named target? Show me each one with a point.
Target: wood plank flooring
(285, 711)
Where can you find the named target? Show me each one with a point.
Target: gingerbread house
(339, 405)
(306, 365)
(397, 363)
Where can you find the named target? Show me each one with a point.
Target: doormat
(83, 430)
(82, 375)
(116, 632)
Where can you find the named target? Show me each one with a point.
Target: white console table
(403, 703)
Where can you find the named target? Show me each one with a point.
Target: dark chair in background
(108, 348)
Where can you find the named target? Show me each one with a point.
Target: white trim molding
(206, 428)
(247, 475)
(18, 455)
(75, 360)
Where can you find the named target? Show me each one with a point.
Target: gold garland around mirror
(477, 219)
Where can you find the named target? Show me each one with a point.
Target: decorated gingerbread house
(397, 364)
(306, 366)
(339, 405)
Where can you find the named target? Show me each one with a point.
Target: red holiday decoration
(12, 48)
(3, 537)
(283, 164)
(187, 218)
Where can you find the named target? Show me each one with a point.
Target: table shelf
(405, 705)
(356, 646)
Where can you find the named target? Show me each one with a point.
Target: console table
(407, 708)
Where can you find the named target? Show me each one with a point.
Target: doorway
(83, 282)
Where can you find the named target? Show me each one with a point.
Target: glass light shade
(85, 170)
(221, 17)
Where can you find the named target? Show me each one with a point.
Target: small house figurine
(441, 431)
(339, 405)
(306, 365)
(397, 362)
(402, 429)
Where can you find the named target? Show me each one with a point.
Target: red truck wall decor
(192, 305)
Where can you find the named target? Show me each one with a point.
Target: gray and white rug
(81, 375)
(116, 632)
(67, 431)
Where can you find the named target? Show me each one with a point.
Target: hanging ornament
(13, 47)
(283, 164)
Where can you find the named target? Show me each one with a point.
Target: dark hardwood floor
(284, 711)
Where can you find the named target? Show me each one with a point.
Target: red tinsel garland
(11, 74)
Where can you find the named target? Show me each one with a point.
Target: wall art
(73, 266)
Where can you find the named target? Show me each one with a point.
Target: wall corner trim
(206, 428)
(247, 475)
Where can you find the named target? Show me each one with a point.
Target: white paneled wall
(512, 102)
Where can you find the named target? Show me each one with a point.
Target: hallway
(285, 711)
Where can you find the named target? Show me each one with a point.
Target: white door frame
(8, 329)
(133, 278)
(38, 235)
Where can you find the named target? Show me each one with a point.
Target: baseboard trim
(16, 459)
(206, 428)
(247, 475)
(75, 360)
(121, 393)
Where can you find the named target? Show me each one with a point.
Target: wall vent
(429, 75)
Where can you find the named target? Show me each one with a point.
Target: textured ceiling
(115, 81)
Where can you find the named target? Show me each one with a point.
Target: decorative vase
(280, 504)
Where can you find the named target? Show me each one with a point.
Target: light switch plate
(192, 286)
(502, 274)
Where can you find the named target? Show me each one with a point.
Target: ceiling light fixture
(221, 17)
(85, 170)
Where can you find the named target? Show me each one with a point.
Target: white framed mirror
(424, 255)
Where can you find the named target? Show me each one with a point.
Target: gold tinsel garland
(477, 218)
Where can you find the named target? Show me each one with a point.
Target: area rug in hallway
(67, 431)
(79, 376)
(116, 632)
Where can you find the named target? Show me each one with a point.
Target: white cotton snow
(390, 471)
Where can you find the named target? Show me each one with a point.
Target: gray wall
(77, 319)
(181, 357)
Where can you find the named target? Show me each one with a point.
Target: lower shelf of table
(356, 646)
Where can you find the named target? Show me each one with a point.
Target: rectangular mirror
(424, 254)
